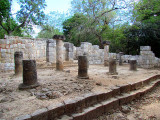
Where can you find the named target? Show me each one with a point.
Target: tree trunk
(100, 42)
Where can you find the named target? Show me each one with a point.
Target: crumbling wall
(95, 55)
(146, 59)
(45, 50)
(31, 48)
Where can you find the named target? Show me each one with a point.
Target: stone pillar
(133, 65)
(51, 51)
(29, 75)
(120, 58)
(59, 51)
(69, 51)
(47, 51)
(106, 52)
(83, 67)
(112, 66)
(18, 57)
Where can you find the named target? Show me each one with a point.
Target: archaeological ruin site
(50, 79)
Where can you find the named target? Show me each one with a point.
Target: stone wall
(45, 50)
(95, 55)
(146, 59)
(31, 48)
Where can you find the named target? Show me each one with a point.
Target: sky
(52, 5)
(57, 5)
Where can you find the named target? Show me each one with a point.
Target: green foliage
(48, 32)
(76, 30)
(147, 11)
(31, 12)
(93, 17)
(52, 24)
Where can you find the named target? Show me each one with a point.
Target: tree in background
(146, 26)
(76, 30)
(99, 14)
(52, 24)
(31, 12)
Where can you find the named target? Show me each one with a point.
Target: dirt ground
(145, 108)
(57, 86)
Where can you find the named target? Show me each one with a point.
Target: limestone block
(23, 46)
(145, 48)
(2, 41)
(3, 50)
(95, 47)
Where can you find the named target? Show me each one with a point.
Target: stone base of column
(106, 63)
(83, 67)
(83, 77)
(29, 75)
(120, 62)
(133, 65)
(23, 86)
(18, 57)
(59, 66)
(112, 67)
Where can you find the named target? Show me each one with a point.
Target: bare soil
(58, 86)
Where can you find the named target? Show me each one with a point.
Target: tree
(52, 24)
(99, 14)
(48, 32)
(146, 16)
(76, 30)
(31, 12)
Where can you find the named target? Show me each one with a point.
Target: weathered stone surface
(115, 91)
(18, 57)
(112, 66)
(90, 99)
(59, 53)
(55, 110)
(70, 106)
(106, 55)
(59, 37)
(23, 117)
(145, 48)
(41, 114)
(29, 75)
(120, 58)
(80, 104)
(65, 117)
(133, 65)
(94, 112)
(83, 67)
(125, 88)
(110, 105)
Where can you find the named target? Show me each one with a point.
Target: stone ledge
(94, 105)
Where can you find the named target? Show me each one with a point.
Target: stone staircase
(94, 105)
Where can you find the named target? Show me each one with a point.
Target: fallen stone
(125, 109)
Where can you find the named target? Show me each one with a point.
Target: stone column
(133, 65)
(83, 67)
(69, 51)
(120, 58)
(29, 75)
(112, 66)
(47, 51)
(106, 52)
(59, 51)
(18, 57)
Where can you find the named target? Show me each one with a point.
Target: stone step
(93, 105)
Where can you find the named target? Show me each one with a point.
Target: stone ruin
(44, 50)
